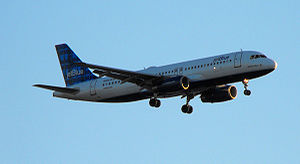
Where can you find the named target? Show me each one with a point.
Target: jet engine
(219, 94)
(174, 84)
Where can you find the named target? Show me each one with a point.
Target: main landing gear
(246, 91)
(154, 102)
(186, 108)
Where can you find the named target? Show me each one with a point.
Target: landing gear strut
(186, 108)
(154, 102)
(246, 91)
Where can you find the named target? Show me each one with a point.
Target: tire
(157, 103)
(247, 92)
(190, 109)
(184, 108)
(152, 102)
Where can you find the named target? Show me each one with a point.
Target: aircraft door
(93, 87)
(176, 71)
(238, 60)
(180, 71)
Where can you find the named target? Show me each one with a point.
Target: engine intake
(219, 94)
(185, 82)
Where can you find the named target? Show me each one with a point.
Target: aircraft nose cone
(271, 64)
(275, 64)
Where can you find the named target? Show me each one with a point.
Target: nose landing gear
(246, 91)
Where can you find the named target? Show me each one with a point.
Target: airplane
(208, 77)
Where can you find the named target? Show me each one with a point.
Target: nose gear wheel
(247, 92)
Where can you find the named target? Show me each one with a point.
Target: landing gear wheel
(184, 108)
(247, 92)
(187, 109)
(190, 109)
(154, 102)
(157, 103)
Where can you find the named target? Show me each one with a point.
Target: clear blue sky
(37, 128)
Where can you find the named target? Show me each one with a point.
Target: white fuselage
(232, 67)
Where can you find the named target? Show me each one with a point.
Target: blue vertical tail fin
(73, 73)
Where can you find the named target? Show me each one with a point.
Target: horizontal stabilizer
(58, 89)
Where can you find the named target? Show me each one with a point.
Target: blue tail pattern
(73, 73)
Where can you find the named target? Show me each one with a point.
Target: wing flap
(58, 89)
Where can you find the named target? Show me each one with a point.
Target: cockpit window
(263, 56)
(257, 56)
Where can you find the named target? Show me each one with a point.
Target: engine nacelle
(184, 82)
(174, 84)
(219, 94)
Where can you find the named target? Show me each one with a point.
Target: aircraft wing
(141, 79)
